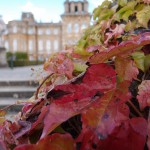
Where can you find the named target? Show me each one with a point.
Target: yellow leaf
(143, 16)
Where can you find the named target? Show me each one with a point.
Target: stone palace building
(41, 39)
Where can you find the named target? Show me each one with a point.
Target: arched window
(69, 28)
(76, 28)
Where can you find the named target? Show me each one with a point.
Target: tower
(74, 20)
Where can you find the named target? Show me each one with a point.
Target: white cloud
(40, 13)
(96, 3)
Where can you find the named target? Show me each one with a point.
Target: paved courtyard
(19, 73)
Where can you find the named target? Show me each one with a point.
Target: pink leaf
(144, 94)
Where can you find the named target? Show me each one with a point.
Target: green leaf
(79, 67)
(143, 16)
(130, 26)
(80, 48)
(122, 2)
(130, 6)
(106, 14)
(147, 62)
(126, 15)
(139, 7)
(98, 10)
(106, 4)
(139, 58)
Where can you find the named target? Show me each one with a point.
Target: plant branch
(135, 109)
(38, 89)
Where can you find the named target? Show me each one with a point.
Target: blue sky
(43, 10)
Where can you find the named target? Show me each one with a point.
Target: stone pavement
(17, 84)
(18, 73)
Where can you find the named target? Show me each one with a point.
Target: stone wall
(3, 61)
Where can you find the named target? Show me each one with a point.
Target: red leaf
(60, 63)
(144, 94)
(148, 130)
(126, 69)
(129, 135)
(135, 42)
(101, 77)
(53, 142)
(97, 110)
(72, 98)
(2, 145)
(40, 117)
(109, 111)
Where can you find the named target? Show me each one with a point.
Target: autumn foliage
(96, 95)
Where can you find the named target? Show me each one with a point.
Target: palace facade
(39, 40)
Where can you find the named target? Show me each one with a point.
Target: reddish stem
(135, 109)
(38, 89)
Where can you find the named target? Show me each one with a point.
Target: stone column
(3, 61)
(72, 7)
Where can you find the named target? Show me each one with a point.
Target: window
(40, 45)
(76, 28)
(40, 31)
(6, 31)
(15, 29)
(48, 45)
(55, 45)
(69, 28)
(30, 31)
(76, 8)
(24, 45)
(6, 45)
(48, 31)
(15, 45)
(84, 26)
(31, 58)
(24, 30)
(55, 31)
(30, 45)
(41, 58)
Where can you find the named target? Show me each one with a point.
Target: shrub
(21, 56)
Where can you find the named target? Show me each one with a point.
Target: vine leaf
(61, 64)
(125, 11)
(2, 116)
(139, 58)
(126, 69)
(129, 134)
(144, 94)
(109, 112)
(143, 16)
(147, 62)
(73, 98)
(126, 46)
(54, 142)
(116, 32)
